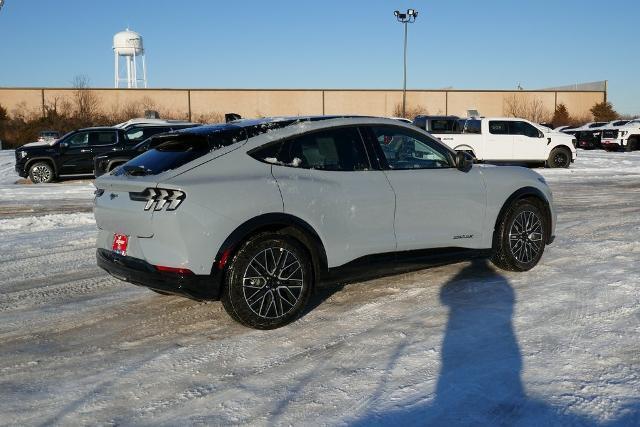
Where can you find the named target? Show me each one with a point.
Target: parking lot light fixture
(405, 18)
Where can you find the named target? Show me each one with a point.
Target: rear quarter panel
(221, 195)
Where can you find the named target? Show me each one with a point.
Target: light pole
(405, 18)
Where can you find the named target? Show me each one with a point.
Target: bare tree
(86, 101)
(516, 105)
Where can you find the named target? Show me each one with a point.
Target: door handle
(85, 150)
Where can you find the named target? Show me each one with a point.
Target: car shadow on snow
(480, 377)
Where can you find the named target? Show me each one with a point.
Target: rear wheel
(632, 144)
(268, 281)
(41, 172)
(520, 237)
(559, 158)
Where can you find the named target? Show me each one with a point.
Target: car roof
(97, 128)
(150, 122)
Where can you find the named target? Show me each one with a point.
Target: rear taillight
(159, 198)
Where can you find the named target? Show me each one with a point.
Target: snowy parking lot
(457, 344)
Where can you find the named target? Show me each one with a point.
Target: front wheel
(559, 158)
(520, 237)
(268, 281)
(41, 173)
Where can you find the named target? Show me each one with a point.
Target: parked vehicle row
(73, 154)
(502, 139)
(617, 135)
(258, 213)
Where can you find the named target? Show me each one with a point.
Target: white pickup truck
(507, 139)
(625, 137)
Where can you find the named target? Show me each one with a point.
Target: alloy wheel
(41, 174)
(560, 159)
(272, 282)
(526, 237)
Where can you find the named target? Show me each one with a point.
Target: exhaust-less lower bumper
(141, 273)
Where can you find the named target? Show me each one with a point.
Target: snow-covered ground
(458, 344)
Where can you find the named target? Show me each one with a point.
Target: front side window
(339, 149)
(404, 149)
(523, 128)
(79, 139)
(473, 126)
(102, 138)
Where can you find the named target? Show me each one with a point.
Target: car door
(437, 205)
(326, 179)
(101, 142)
(498, 141)
(75, 154)
(529, 142)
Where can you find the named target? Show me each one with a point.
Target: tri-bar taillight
(159, 198)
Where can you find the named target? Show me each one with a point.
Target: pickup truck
(508, 139)
(624, 137)
(73, 153)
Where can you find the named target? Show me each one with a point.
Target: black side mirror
(230, 117)
(64, 145)
(464, 161)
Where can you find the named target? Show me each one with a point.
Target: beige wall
(204, 103)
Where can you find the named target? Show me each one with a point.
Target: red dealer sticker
(120, 242)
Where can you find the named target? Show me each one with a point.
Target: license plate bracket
(120, 244)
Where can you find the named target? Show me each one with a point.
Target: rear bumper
(141, 273)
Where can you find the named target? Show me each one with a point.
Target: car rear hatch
(119, 206)
(127, 197)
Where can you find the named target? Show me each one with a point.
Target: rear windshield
(181, 149)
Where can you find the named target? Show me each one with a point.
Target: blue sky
(330, 44)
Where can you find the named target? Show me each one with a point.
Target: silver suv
(258, 213)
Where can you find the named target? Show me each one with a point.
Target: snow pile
(8, 174)
(45, 222)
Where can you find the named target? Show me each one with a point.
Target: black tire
(41, 173)
(559, 157)
(262, 289)
(632, 144)
(520, 236)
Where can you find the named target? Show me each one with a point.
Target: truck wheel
(268, 282)
(559, 158)
(520, 237)
(41, 172)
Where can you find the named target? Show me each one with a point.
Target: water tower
(127, 45)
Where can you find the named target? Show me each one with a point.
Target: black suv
(73, 153)
(106, 162)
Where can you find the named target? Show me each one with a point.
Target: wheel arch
(520, 194)
(30, 162)
(294, 226)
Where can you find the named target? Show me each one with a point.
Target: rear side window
(444, 125)
(181, 149)
(498, 127)
(102, 138)
(332, 150)
(136, 135)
